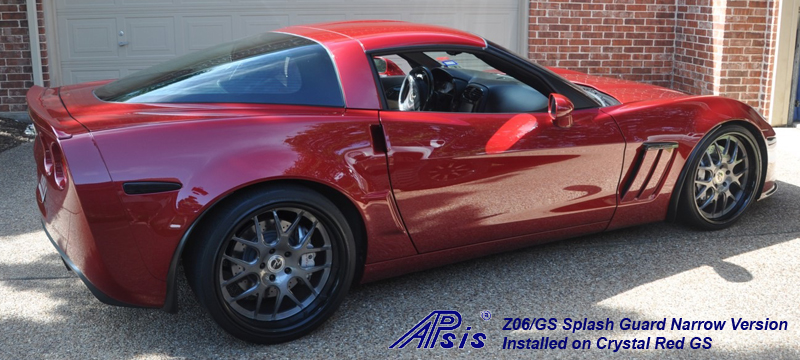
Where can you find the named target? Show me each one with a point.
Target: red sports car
(281, 168)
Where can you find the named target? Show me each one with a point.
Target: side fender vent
(149, 187)
(647, 175)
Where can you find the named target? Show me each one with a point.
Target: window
(270, 68)
(456, 81)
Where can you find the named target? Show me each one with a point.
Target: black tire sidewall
(687, 208)
(223, 222)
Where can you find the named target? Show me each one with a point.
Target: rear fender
(219, 157)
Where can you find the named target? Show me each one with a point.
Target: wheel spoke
(257, 228)
(293, 298)
(703, 182)
(708, 201)
(710, 165)
(737, 162)
(719, 154)
(244, 242)
(702, 192)
(727, 145)
(307, 238)
(259, 300)
(724, 202)
(238, 261)
(319, 249)
(308, 284)
(278, 301)
(277, 222)
(737, 178)
(236, 278)
(314, 269)
(735, 151)
(245, 294)
(296, 222)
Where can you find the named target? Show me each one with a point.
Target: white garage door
(104, 39)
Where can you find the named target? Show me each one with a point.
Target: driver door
(462, 178)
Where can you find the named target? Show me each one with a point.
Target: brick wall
(694, 47)
(634, 40)
(16, 73)
(770, 37)
(726, 48)
(721, 47)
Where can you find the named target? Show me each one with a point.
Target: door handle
(378, 139)
(122, 43)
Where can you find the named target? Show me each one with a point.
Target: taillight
(57, 160)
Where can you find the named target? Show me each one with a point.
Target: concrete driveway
(651, 272)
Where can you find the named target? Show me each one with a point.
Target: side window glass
(453, 81)
(267, 69)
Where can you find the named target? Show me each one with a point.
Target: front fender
(683, 121)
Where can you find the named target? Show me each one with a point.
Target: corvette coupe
(279, 169)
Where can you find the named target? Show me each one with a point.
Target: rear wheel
(273, 265)
(722, 179)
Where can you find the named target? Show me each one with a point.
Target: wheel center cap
(275, 263)
(719, 177)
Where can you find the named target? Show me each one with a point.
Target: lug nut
(272, 278)
(288, 270)
(263, 265)
(271, 251)
(287, 254)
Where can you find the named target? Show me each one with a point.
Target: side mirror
(560, 109)
(380, 64)
(386, 67)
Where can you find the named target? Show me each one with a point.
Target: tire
(722, 179)
(267, 289)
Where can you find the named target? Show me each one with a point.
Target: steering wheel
(416, 89)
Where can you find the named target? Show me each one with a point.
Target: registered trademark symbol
(486, 315)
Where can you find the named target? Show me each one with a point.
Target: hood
(623, 90)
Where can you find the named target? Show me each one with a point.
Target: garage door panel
(132, 69)
(306, 18)
(157, 30)
(84, 75)
(150, 37)
(145, 2)
(257, 24)
(200, 32)
(62, 4)
(191, 2)
(492, 27)
(88, 38)
(378, 15)
(436, 18)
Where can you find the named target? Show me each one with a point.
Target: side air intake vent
(648, 172)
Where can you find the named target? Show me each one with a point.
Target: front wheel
(722, 178)
(273, 265)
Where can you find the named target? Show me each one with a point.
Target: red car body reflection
(446, 186)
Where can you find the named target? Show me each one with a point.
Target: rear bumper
(99, 294)
(81, 210)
